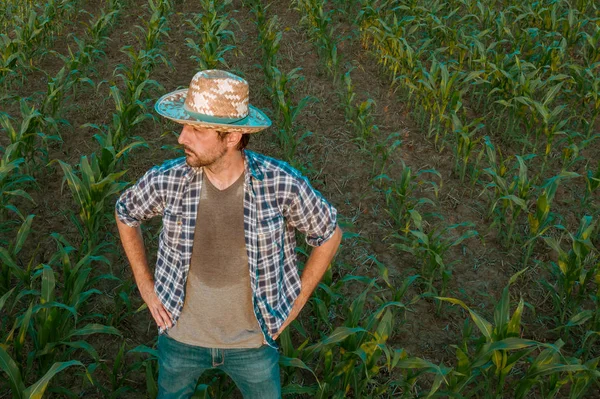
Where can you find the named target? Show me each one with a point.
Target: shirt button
(179, 222)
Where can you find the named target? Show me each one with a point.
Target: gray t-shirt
(217, 311)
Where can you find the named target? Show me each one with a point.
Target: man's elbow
(338, 234)
(336, 238)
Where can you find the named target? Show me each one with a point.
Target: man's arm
(314, 269)
(133, 244)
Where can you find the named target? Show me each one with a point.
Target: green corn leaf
(36, 391)
(144, 349)
(509, 344)
(23, 327)
(384, 329)
(501, 310)
(86, 346)
(50, 305)
(338, 335)
(484, 326)
(294, 362)
(48, 284)
(151, 384)
(514, 325)
(8, 365)
(580, 318)
(515, 276)
(94, 329)
(22, 194)
(22, 234)
(417, 363)
(5, 297)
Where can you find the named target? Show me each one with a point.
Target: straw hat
(215, 99)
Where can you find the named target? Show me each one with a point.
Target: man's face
(202, 146)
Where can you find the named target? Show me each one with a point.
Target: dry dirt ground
(340, 171)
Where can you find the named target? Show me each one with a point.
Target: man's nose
(183, 136)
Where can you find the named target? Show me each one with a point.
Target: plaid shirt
(277, 200)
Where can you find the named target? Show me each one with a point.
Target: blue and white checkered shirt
(277, 200)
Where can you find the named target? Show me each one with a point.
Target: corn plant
(30, 33)
(541, 220)
(590, 50)
(574, 270)
(358, 116)
(11, 262)
(430, 247)
(318, 23)
(55, 322)
(37, 389)
(127, 115)
(13, 180)
(23, 137)
(441, 90)
(347, 97)
(211, 27)
(286, 111)
(97, 30)
(149, 35)
(559, 371)
(351, 354)
(391, 39)
(90, 48)
(52, 322)
(590, 95)
(503, 189)
(11, 57)
(551, 121)
(150, 366)
(465, 143)
(91, 193)
(122, 303)
(400, 195)
(269, 37)
(508, 207)
(483, 373)
(109, 159)
(57, 93)
(592, 182)
(382, 152)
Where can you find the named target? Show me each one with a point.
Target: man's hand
(161, 316)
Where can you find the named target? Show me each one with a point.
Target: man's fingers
(160, 316)
(166, 317)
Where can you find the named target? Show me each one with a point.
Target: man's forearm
(314, 269)
(133, 244)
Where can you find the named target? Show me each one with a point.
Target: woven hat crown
(217, 96)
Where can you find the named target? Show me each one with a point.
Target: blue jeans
(254, 371)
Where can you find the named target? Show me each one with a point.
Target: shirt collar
(251, 165)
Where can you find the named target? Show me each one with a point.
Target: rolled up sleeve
(311, 214)
(141, 201)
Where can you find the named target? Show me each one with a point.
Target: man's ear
(233, 139)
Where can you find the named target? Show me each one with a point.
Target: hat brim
(171, 106)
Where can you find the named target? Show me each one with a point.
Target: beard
(196, 160)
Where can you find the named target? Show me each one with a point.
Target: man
(226, 283)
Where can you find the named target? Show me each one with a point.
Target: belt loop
(218, 357)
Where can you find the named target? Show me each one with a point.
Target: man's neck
(226, 171)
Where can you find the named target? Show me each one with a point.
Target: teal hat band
(214, 119)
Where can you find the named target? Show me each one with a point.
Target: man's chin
(195, 162)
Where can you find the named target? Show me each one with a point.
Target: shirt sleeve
(311, 214)
(141, 201)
